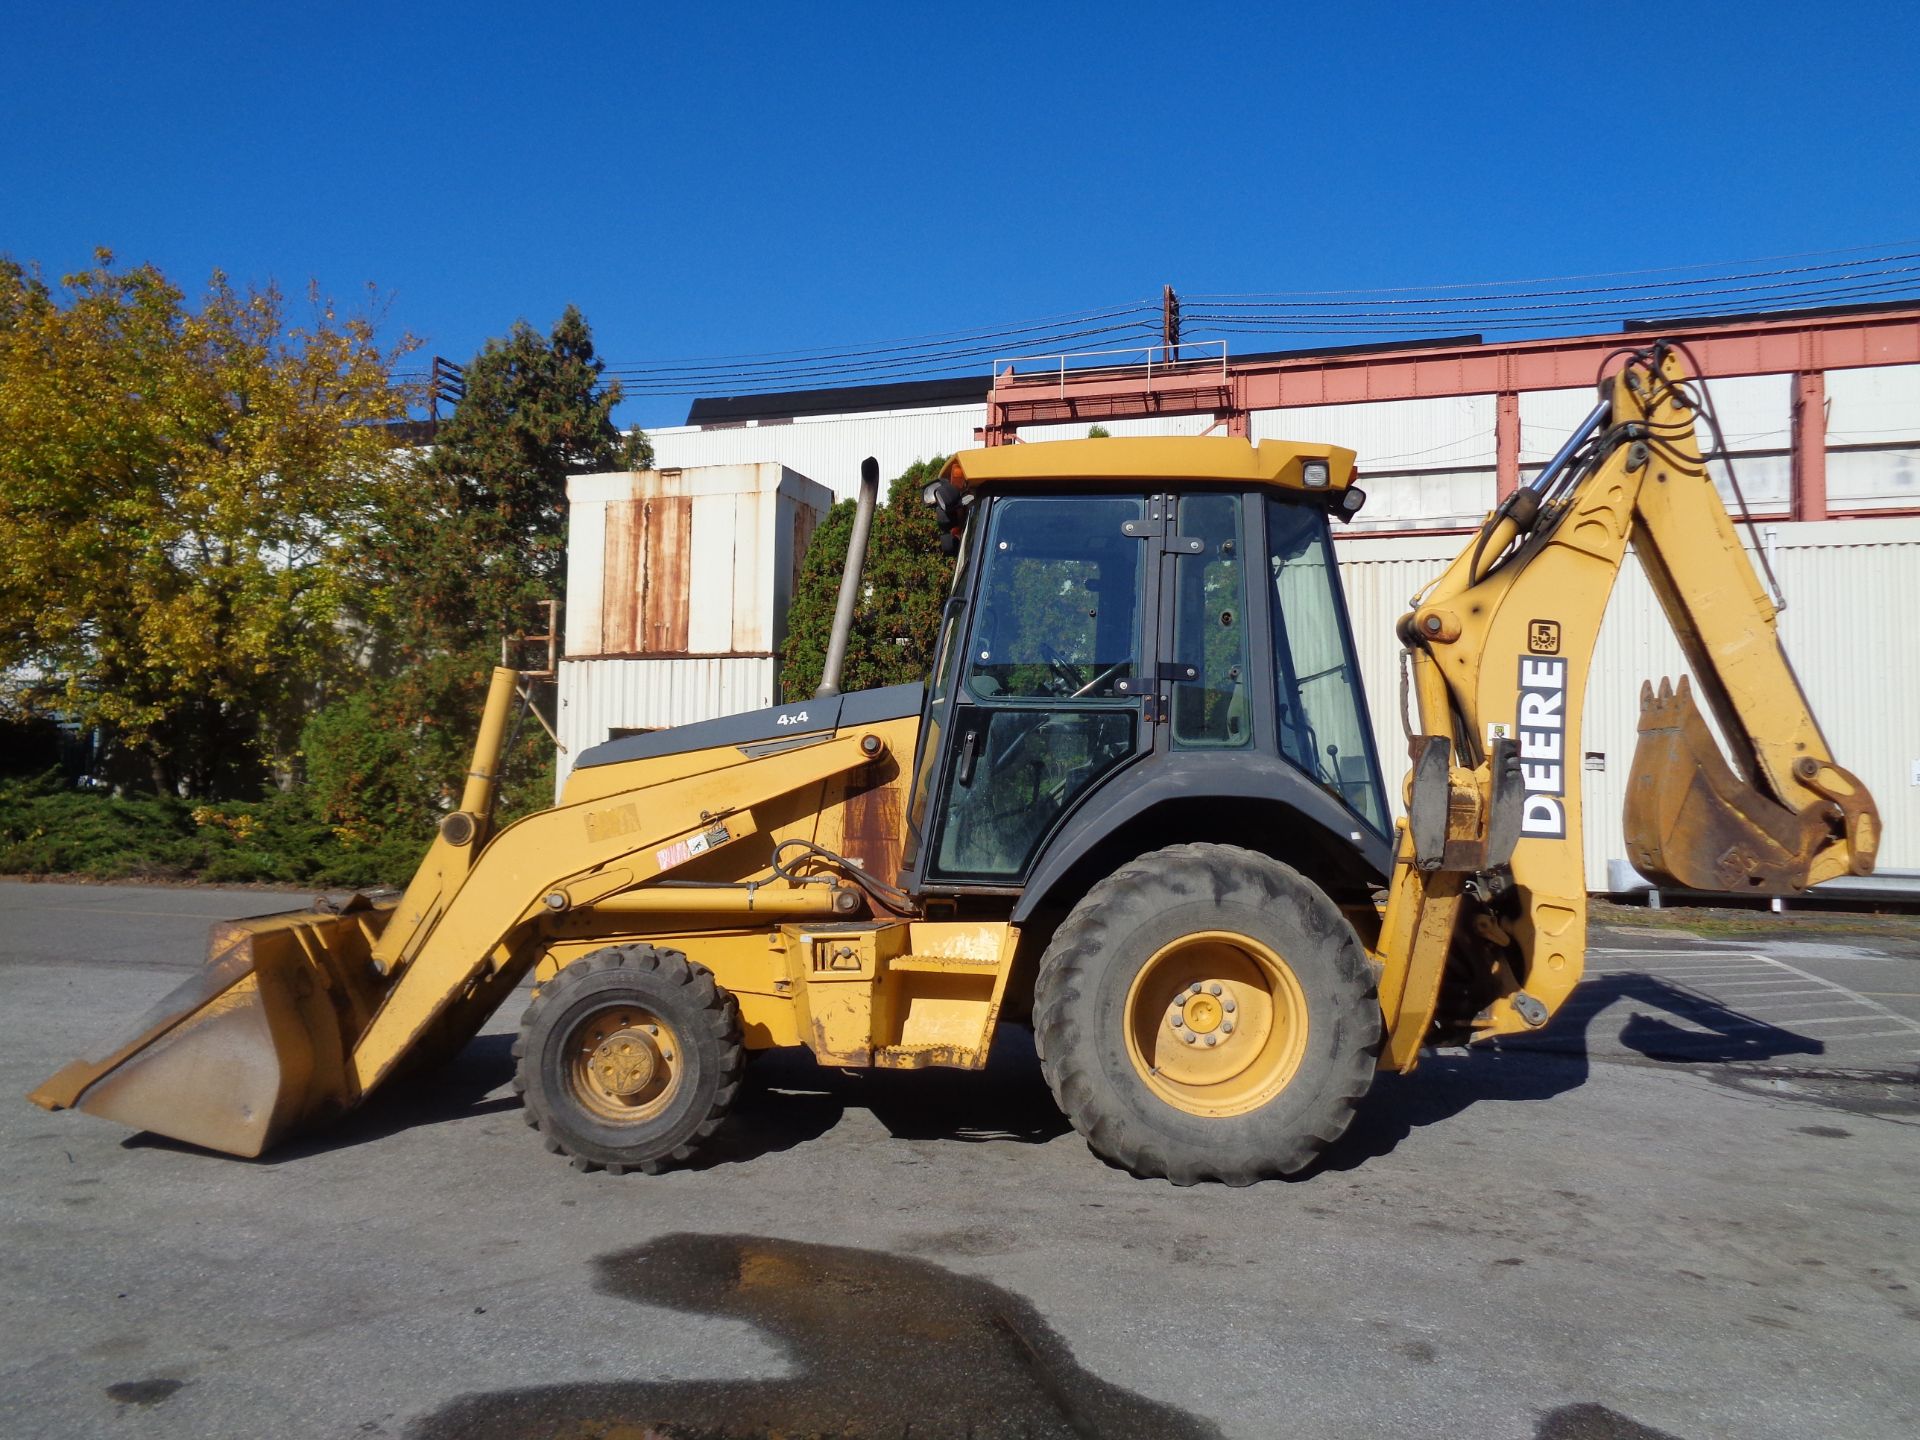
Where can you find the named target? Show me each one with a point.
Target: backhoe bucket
(1693, 824)
(254, 1046)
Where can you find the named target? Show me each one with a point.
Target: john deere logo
(1543, 637)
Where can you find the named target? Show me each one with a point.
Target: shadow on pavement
(1556, 1060)
(876, 1345)
(1008, 1100)
(1720, 1035)
(789, 1099)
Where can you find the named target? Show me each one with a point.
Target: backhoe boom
(1489, 876)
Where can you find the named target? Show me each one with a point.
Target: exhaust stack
(850, 579)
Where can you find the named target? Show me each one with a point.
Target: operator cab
(1136, 623)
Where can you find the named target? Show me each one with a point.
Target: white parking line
(1854, 996)
(1768, 994)
(1743, 968)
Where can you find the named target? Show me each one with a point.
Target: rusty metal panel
(645, 569)
(665, 551)
(684, 562)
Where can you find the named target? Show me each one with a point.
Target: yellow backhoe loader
(1137, 804)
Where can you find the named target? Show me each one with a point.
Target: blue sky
(709, 180)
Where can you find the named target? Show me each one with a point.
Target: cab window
(1044, 714)
(1322, 711)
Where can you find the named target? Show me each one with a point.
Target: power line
(1561, 279)
(1506, 307)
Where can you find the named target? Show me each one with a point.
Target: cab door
(1052, 688)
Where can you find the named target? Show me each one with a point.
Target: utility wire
(1445, 308)
(1505, 307)
(1562, 279)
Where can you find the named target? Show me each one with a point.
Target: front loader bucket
(253, 1046)
(1693, 824)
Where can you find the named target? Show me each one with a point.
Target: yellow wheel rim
(1216, 1023)
(624, 1064)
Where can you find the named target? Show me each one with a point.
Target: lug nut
(1213, 1039)
(1189, 1037)
(1174, 1019)
(1194, 989)
(1227, 1028)
(1229, 1006)
(1214, 989)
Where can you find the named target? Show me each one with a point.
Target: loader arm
(297, 1018)
(1488, 890)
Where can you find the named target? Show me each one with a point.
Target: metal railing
(1170, 361)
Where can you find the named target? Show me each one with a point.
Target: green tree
(179, 484)
(903, 585)
(464, 555)
(479, 538)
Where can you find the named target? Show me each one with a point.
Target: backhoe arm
(1485, 926)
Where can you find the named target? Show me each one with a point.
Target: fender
(1186, 777)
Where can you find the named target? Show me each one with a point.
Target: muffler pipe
(850, 579)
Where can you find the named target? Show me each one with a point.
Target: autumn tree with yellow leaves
(179, 483)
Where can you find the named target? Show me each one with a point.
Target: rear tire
(1207, 1013)
(628, 1059)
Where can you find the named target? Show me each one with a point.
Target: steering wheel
(1111, 672)
(1063, 669)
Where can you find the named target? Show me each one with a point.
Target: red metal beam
(1810, 445)
(1795, 345)
(1506, 443)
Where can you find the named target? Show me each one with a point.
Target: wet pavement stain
(882, 1347)
(144, 1393)
(1594, 1422)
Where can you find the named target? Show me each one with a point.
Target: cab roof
(1151, 458)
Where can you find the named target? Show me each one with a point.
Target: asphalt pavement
(1687, 1209)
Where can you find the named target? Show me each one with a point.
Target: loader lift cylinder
(483, 779)
(850, 579)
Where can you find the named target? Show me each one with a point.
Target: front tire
(628, 1059)
(1207, 1013)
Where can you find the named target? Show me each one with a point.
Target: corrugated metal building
(1430, 465)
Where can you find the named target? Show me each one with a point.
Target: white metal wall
(1424, 464)
(826, 448)
(1873, 437)
(1852, 586)
(599, 696)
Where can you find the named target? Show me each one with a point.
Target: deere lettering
(1543, 727)
(606, 824)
